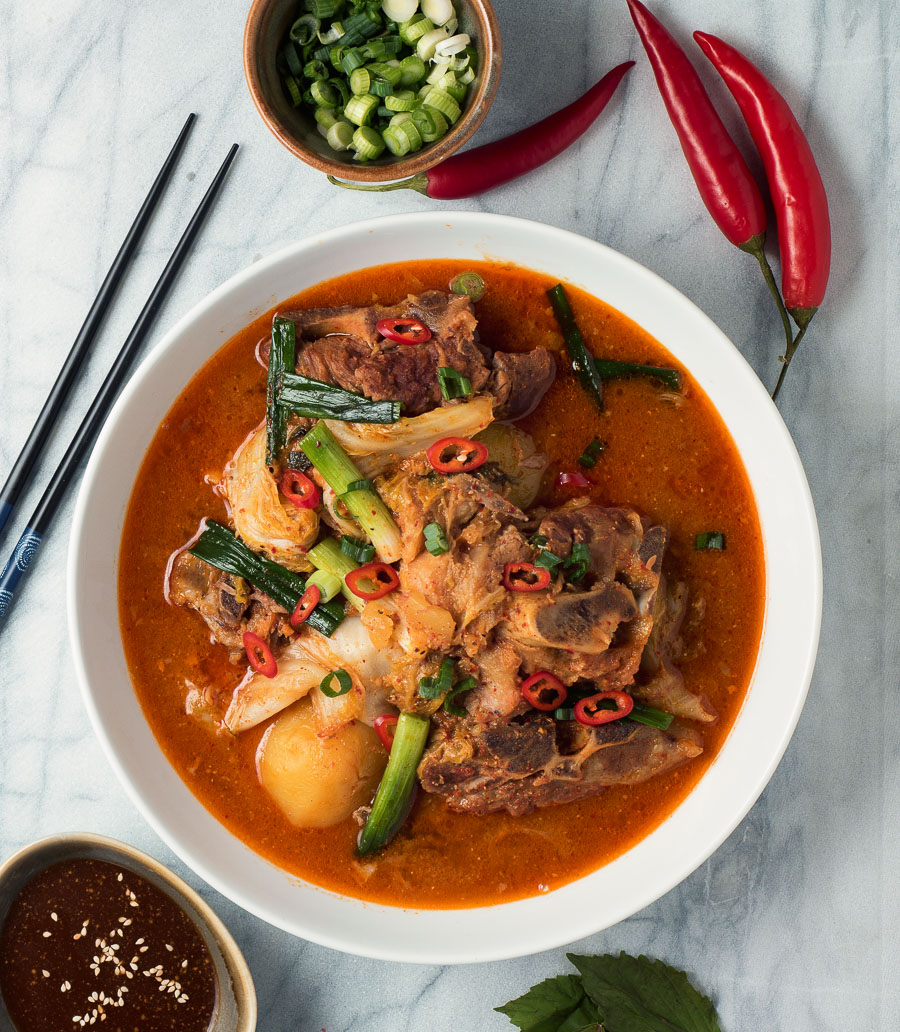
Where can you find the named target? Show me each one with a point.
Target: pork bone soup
(428, 539)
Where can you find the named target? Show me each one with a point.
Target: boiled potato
(318, 780)
(515, 453)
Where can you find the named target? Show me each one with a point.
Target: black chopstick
(26, 548)
(24, 466)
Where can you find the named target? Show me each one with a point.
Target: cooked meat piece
(519, 381)
(342, 346)
(313, 323)
(583, 621)
(597, 634)
(535, 761)
(358, 360)
(659, 683)
(228, 605)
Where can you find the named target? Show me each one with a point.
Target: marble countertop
(794, 923)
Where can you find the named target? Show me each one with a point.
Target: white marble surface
(794, 923)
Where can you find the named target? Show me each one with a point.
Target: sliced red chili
(307, 603)
(572, 480)
(299, 489)
(588, 711)
(525, 577)
(403, 331)
(259, 654)
(544, 691)
(373, 580)
(457, 455)
(383, 724)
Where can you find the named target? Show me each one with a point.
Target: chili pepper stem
(788, 355)
(754, 246)
(418, 182)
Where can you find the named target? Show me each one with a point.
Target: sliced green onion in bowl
(304, 29)
(340, 136)
(359, 110)
(468, 283)
(367, 142)
(401, 100)
(412, 70)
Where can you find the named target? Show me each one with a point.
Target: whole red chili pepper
(493, 164)
(726, 185)
(801, 207)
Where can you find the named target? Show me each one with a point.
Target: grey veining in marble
(794, 924)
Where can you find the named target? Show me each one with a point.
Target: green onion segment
(344, 684)
(219, 547)
(436, 539)
(318, 400)
(593, 371)
(329, 558)
(579, 356)
(358, 551)
(468, 283)
(591, 453)
(342, 476)
(329, 586)
(657, 718)
(710, 541)
(281, 361)
(453, 384)
(465, 685)
(363, 63)
(392, 800)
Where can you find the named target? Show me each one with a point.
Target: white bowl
(683, 841)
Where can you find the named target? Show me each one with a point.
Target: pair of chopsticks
(24, 467)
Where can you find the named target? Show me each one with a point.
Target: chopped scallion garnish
(328, 557)
(564, 713)
(537, 540)
(392, 798)
(359, 496)
(329, 586)
(436, 539)
(578, 563)
(344, 684)
(547, 559)
(317, 400)
(453, 384)
(711, 541)
(579, 355)
(589, 456)
(281, 361)
(468, 283)
(465, 685)
(608, 369)
(641, 714)
(361, 551)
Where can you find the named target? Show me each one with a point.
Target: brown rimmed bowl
(236, 1002)
(267, 23)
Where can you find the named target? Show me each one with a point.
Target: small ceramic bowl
(266, 26)
(236, 1005)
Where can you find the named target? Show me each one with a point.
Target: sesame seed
(169, 948)
(53, 916)
(119, 876)
(46, 935)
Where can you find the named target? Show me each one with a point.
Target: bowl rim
(59, 846)
(804, 610)
(488, 81)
